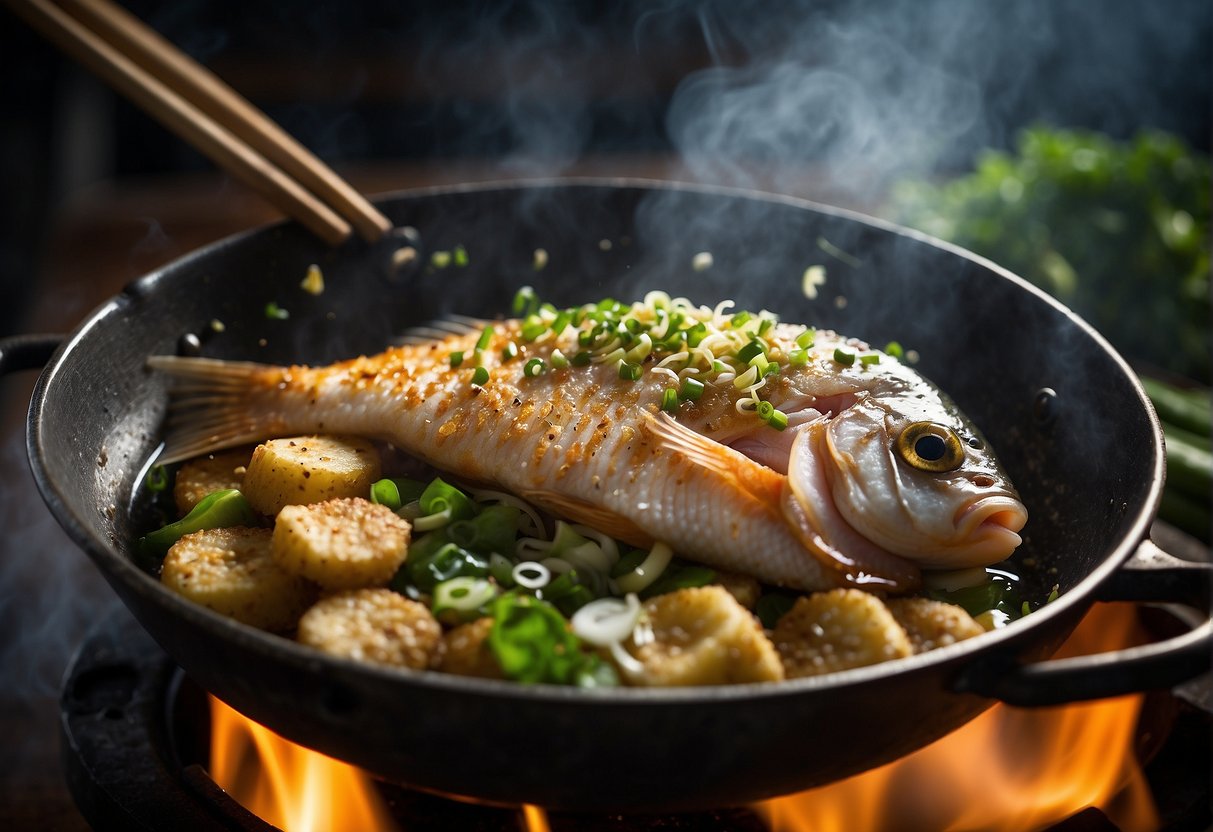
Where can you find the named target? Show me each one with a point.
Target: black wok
(1087, 458)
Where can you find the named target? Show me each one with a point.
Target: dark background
(835, 100)
(868, 90)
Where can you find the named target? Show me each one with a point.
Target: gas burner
(136, 733)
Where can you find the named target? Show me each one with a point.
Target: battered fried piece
(930, 624)
(373, 625)
(838, 630)
(466, 651)
(207, 474)
(341, 544)
(701, 636)
(231, 572)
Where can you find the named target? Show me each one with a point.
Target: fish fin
(604, 520)
(211, 405)
(440, 329)
(710, 455)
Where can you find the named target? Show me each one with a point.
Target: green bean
(217, 510)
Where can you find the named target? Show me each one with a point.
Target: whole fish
(803, 458)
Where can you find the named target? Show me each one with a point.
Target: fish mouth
(992, 524)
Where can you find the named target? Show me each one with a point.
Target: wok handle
(27, 352)
(1151, 575)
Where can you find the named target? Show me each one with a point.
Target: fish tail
(214, 404)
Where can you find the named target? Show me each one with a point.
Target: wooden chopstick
(204, 111)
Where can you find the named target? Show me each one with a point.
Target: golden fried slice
(838, 630)
(206, 474)
(309, 469)
(466, 651)
(373, 625)
(930, 624)
(745, 588)
(231, 572)
(701, 636)
(341, 544)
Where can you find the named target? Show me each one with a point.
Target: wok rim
(117, 565)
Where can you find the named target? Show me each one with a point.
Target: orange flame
(287, 785)
(1010, 769)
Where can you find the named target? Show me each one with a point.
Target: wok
(1062, 409)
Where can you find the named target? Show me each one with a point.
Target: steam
(50, 595)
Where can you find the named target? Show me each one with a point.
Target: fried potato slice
(309, 469)
(231, 572)
(373, 625)
(838, 630)
(466, 651)
(206, 474)
(341, 544)
(931, 624)
(701, 636)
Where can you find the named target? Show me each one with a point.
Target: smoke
(50, 595)
(868, 92)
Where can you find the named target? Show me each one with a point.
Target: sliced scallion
(534, 367)
(669, 400)
(629, 371)
(844, 357)
(485, 339)
(691, 389)
(480, 376)
(456, 358)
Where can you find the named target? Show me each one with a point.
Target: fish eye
(929, 446)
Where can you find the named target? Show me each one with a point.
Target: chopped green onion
(429, 567)
(740, 319)
(385, 493)
(533, 327)
(798, 358)
(696, 334)
(563, 318)
(805, 339)
(480, 376)
(156, 479)
(629, 371)
(456, 358)
(582, 359)
(485, 339)
(275, 312)
(719, 366)
(648, 570)
(462, 599)
(869, 359)
(526, 302)
(765, 326)
(750, 350)
(509, 351)
(691, 390)
(559, 361)
(778, 420)
(532, 643)
(669, 400)
(533, 367)
(843, 357)
(461, 256)
(765, 410)
(493, 530)
(894, 349)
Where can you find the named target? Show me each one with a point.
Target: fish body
(585, 426)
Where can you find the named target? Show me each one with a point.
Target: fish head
(913, 476)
